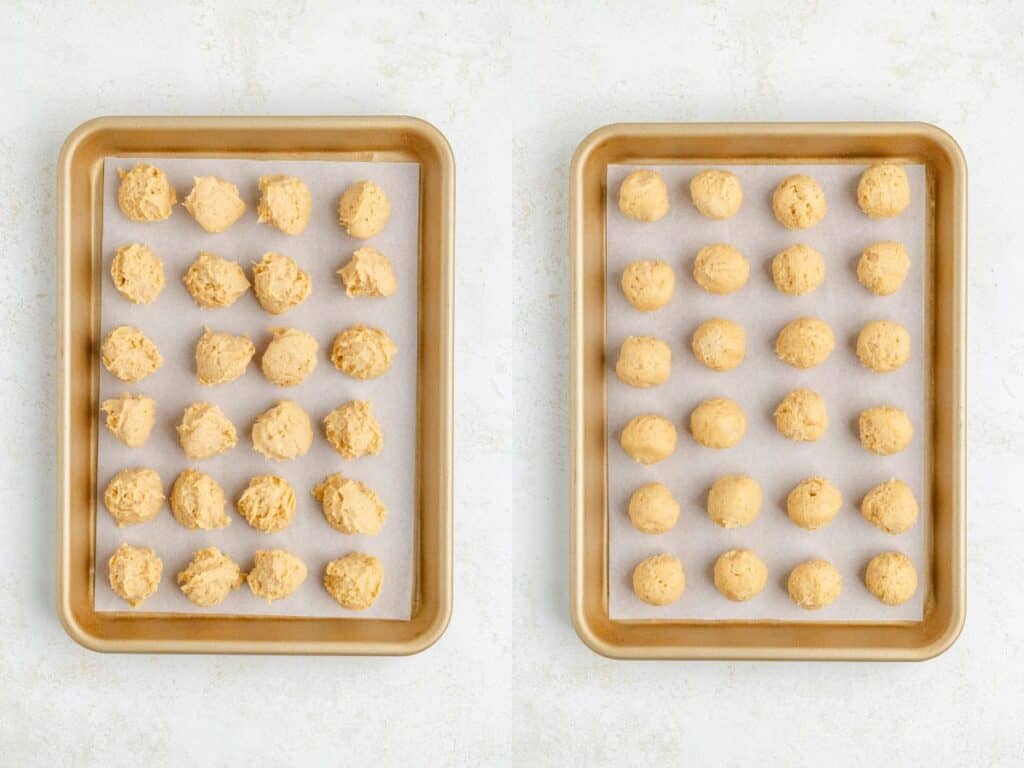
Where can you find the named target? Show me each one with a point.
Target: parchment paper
(175, 322)
(758, 385)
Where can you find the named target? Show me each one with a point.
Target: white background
(515, 87)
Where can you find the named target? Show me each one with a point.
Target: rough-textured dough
(289, 357)
(363, 352)
(805, 342)
(145, 194)
(210, 577)
(354, 580)
(801, 416)
(368, 273)
(214, 282)
(214, 203)
(363, 209)
(720, 268)
(134, 573)
(267, 503)
(798, 269)
(285, 202)
(138, 273)
(890, 506)
(222, 357)
(883, 191)
(652, 509)
(350, 506)
(644, 361)
(134, 496)
(883, 346)
(130, 418)
(885, 430)
(648, 284)
(278, 283)
(814, 584)
(813, 503)
(734, 501)
(719, 344)
(197, 501)
(740, 574)
(659, 580)
(883, 267)
(648, 438)
(275, 574)
(798, 202)
(643, 196)
(718, 422)
(205, 431)
(129, 355)
(353, 431)
(283, 432)
(891, 577)
(716, 194)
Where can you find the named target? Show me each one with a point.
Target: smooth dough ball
(813, 503)
(648, 285)
(368, 273)
(883, 346)
(734, 501)
(289, 357)
(283, 432)
(891, 577)
(134, 573)
(363, 209)
(659, 580)
(644, 361)
(354, 580)
(890, 506)
(285, 202)
(215, 282)
(278, 283)
(883, 267)
(350, 506)
(267, 503)
(222, 357)
(210, 577)
(716, 194)
(740, 574)
(197, 501)
(134, 496)
(814, 584)
(275, 574)
(798, 269)
(798, 202)
(205, 431)
(214, 203)
(145, 194)
(352, 430)
(130, 418)
(363, 352)
(883, 191)
(652, 509)
(720, 269)
(885, 430)
(805, 342)
(129, 355)
(719, 344)
(802, 416)
(138, 273)
(718, 423)
(648, 438)
(643, 196)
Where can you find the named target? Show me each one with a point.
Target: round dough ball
(275, 574)
(798, 202)
(883, 191)
(205, 431)
(222, 357)
(798, 269)
(885, 430)
(719, 344)
(740, 574)
(354, 580)
(644, 361)
(214, 203)
(814, 584)
(210, 577)
(720, 269)
(805, 342)
(652, 509)
(659, 580)
(283, 432)
(813, 503)
(801, 416)
(716, 194)
(215, 282)
(197, 501)
(734, 501)
(363, 352)
(648, 438)
(285, 203)
(883, 346)
(363, 209)
(350, 506)
(267, 503)
(130, 418)
(891, 577)
(134, 496)
(289, 357)
(352, 430)
(138, 273)
(368, 273)
(643, 196)
(129, 355)
(134, 573)
(145, 194)
(883, 267)
(279, 284)
(718, 423)
(648, 285)
(890, 506)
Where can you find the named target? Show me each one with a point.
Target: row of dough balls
(740, 575)
(146, 195)
(354, 580)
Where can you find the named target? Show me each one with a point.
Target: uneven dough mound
(130, 418)
(648, 438)
(222, 357)
(734, 501)
(197, 501)
(798, 202)
(350, 506)
(145, 194)
(740, 574)
(285, 202)
(368, 273)
(719, 344)
(214, 203)
(215, 282)
(134, 496)
(138, 273)
(644, 361)
(354, 580)
(801, 416)
(648, 284)
(352, 430)
(363, 352)
(652, 509)
(289, 357)
(805, 342)
(891, 577)
(363, 209)
(129, 355)
(814, 584)
(275, 574)
(268, 503)
(205, 431)
(883, 267)
(883, 191)
(643, 196)
(716, 194)
(134, 573)
(283, 432)
(718, 422)
(890, 506)
(883, 346)
(278, 283)
(720, 269)
(885, 430)
(659, 580)
(210, 577)
(798, 269)
(813, 503)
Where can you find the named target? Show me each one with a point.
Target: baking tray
(810, 143)
(80, 195)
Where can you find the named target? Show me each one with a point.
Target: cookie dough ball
(716, 194)
(210, 577)
(134, 496)
(289, 357)
(644, 361)
(268, 503)
(719, 344)
(215, 282)
(643, 196)
(801, 416)
(891, 577)
(368, 273)
(363, 352)
(352, 430)
(883, 346)
(350, 506)
(363, 209)
(883, 267)
(805, 342)
(798, 202)
(648, 438)
(283, 432)
(652, 509)
(222, 357)
(197, 501)
(718, 423)
(129, 355)
(659, 580)
(354, 580)
(279, 284)
(885, 430)
(134, 573)
(814, 584)
(890, 506)
(883, 191)
(214, 203)
(138, 273)
(798, 269)
(145, 194)
(720, 269)
(275, 574)
(740, 574)
(130, 418)
(813, 503)
(648, 285)
(205, 431)
(734, 501)
(285, 203)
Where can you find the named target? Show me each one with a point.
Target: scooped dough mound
(354, 580)
(719, 344)
(883, 191)
(813, 503)
(352, 430)
(285, 202)
(716, 194)
(740, 574)
(643, 196)
(883, 267)
(363, 352)
(129, 355)
(138, 273)
(130, 418)
(350, 506)
(134, 496)
(805, 342)
(720, 269)
(368, 273)
(883, 346)
(197, 501)
(890, 506)
(798, 269)
(648, 438)
(814, 584)
(649, 284)
(891, 577)
(214, 203)
(282, 432)
(644, 361)
(652, 509)
(145, 194)
(279, 284)
(718, 423)
(734, 501)
(134, 573)
(801, 416)
(210, 577)
(289, 357)
(215, 282)
(885, 430)
(363, 209)
(275, 574)
(659, 580)
(222, 357)
(205, 431)
(268, 503)
(798, 202)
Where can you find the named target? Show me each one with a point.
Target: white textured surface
(514, 87)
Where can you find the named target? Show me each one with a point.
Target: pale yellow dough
(720, 269)
(885, 430)
(718, 422)
(659, 580)
(368, 273)
(363, 352)
(716, 194)
(648, 284)
(814, 584)
(210, 577)
(197, 501)
(801, 416)
(279, 283)
(222, 357)
(145, 194)
(285, 202)
(354, 580)
(798, 269)
(883, 267)
(134, 573)
(138, 273)
(890, 506)
(648, 439)
(129, 355)
(214, 282)
(652, 509)
(805, 342)
(205, 431)
(798, 202)
(353, 431)
(134, 496)
(883, 346)
(350, 506)
(734, 501)
(891, 577)
(740, 574)
(283, 432)
(644, 361)
(275, 574)
(363, 209)
(267, 503)
(719, 344)
(289, 357)
(883, 191)
(643, 196)
(813, 503)
(214, 203)
(130, 418)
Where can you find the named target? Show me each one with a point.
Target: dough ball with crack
(885, 430)
(718, 422)
(279, 283)
(282, 432)
(805, 342)
(716, 194)
(205, 431)
(354, 580)
(275, 574)
(659, 580)
(363, 209)
(350, 506)
(267, 503)
(290, 357)
(644, 361)
(138, 273)
(145, 194)
(197, 501)
(814, 584)
(740, 574)
(652, 509)
(134, 573)
(130, 418)
(134, 496)
(890, 506)
(648, 438)
(353, 431)
(285, 203)
(813, 503)
(129, 355)
(648, 284)
(798, 202)
(363, 352)
(214, 203)
(214, 282)
(883, 267)
(222, 357)
(643, 196)
(210, 577)
(368, 273)
(883, 346)
(801, 416)
(719, 344)
(891, 577)
(883, 191)
(720, 269)
(798, 269)
(734, 501)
